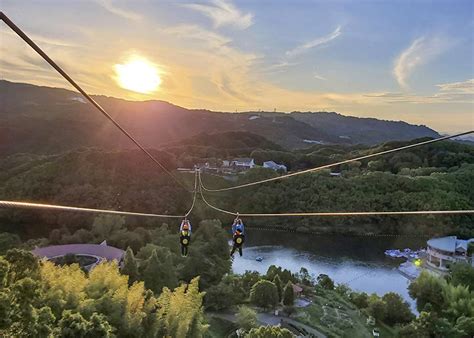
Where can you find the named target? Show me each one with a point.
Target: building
(89, 255)
(275, 166)
(297, 290)
(447, 250)
(238, 164)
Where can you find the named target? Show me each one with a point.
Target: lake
(356, 260)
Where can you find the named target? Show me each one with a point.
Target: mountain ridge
(44, 119)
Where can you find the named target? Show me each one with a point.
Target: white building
(274, 166)
(239, 163)
(446, 250)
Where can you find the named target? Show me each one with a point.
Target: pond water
(358, 261)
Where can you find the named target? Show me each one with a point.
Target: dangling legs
(240, 251)
(183, 250)
(233, 250)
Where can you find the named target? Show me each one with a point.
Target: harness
(185, 237)
(238, 239)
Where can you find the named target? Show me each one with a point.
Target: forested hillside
(46, 120)
(435, 177)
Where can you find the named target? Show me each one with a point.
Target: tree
(72, 325)
(8, 241)
(397, 310)
(269, 332)
(4, 267)
(246, 318)
(343, 290)
(180, 313)
(427, 289)
(325, 282)
(160, 271)
(429, 324)
(99, 327)
(264, 294)
(288, 294)
(130, 266)
(44, 324)
(227, 293)
(462, 274)
(465, 325)
(377, 307)
(361, 300)
(277, 282)
(305, 277)
(458, 301)
(22, 264)
(249, 278)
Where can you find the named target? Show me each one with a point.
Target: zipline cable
(53, 64)
(195, 194)
(41, 206)
(337, 214)
(337, 163)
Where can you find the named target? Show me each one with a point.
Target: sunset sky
(396, 60)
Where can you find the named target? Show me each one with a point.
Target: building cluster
(238, 165)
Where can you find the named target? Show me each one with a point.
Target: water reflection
(358, 261)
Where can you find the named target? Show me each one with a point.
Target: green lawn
(331, 314)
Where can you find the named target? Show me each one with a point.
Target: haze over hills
(47, 120)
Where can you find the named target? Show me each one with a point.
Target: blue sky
(397, 60)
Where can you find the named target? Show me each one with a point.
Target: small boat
(259, 259)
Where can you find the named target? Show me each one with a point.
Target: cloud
(466, 87)
(222, 13)
(194, 32)
(318, 76)
(314, 43)
(421, 51)
(455, 92)
(108, 5)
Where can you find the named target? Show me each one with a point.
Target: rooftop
(100, 250)
(243, 159)
(449, 243)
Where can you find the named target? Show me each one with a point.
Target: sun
(138, 75)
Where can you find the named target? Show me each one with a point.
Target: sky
(393, 60)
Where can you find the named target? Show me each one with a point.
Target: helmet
(185, 226)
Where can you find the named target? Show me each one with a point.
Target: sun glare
(138, 75)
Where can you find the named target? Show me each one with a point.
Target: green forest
(157, 292)
(432, 177)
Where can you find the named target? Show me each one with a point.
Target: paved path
(270, 319)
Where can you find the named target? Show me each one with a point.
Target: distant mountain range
(47, 120)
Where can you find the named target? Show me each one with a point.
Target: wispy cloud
(454, 92)
(466, 87)
(318, 76)
(222, 13)
(127, 14)
(421, 51)
(197, 33)
(315, 43)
